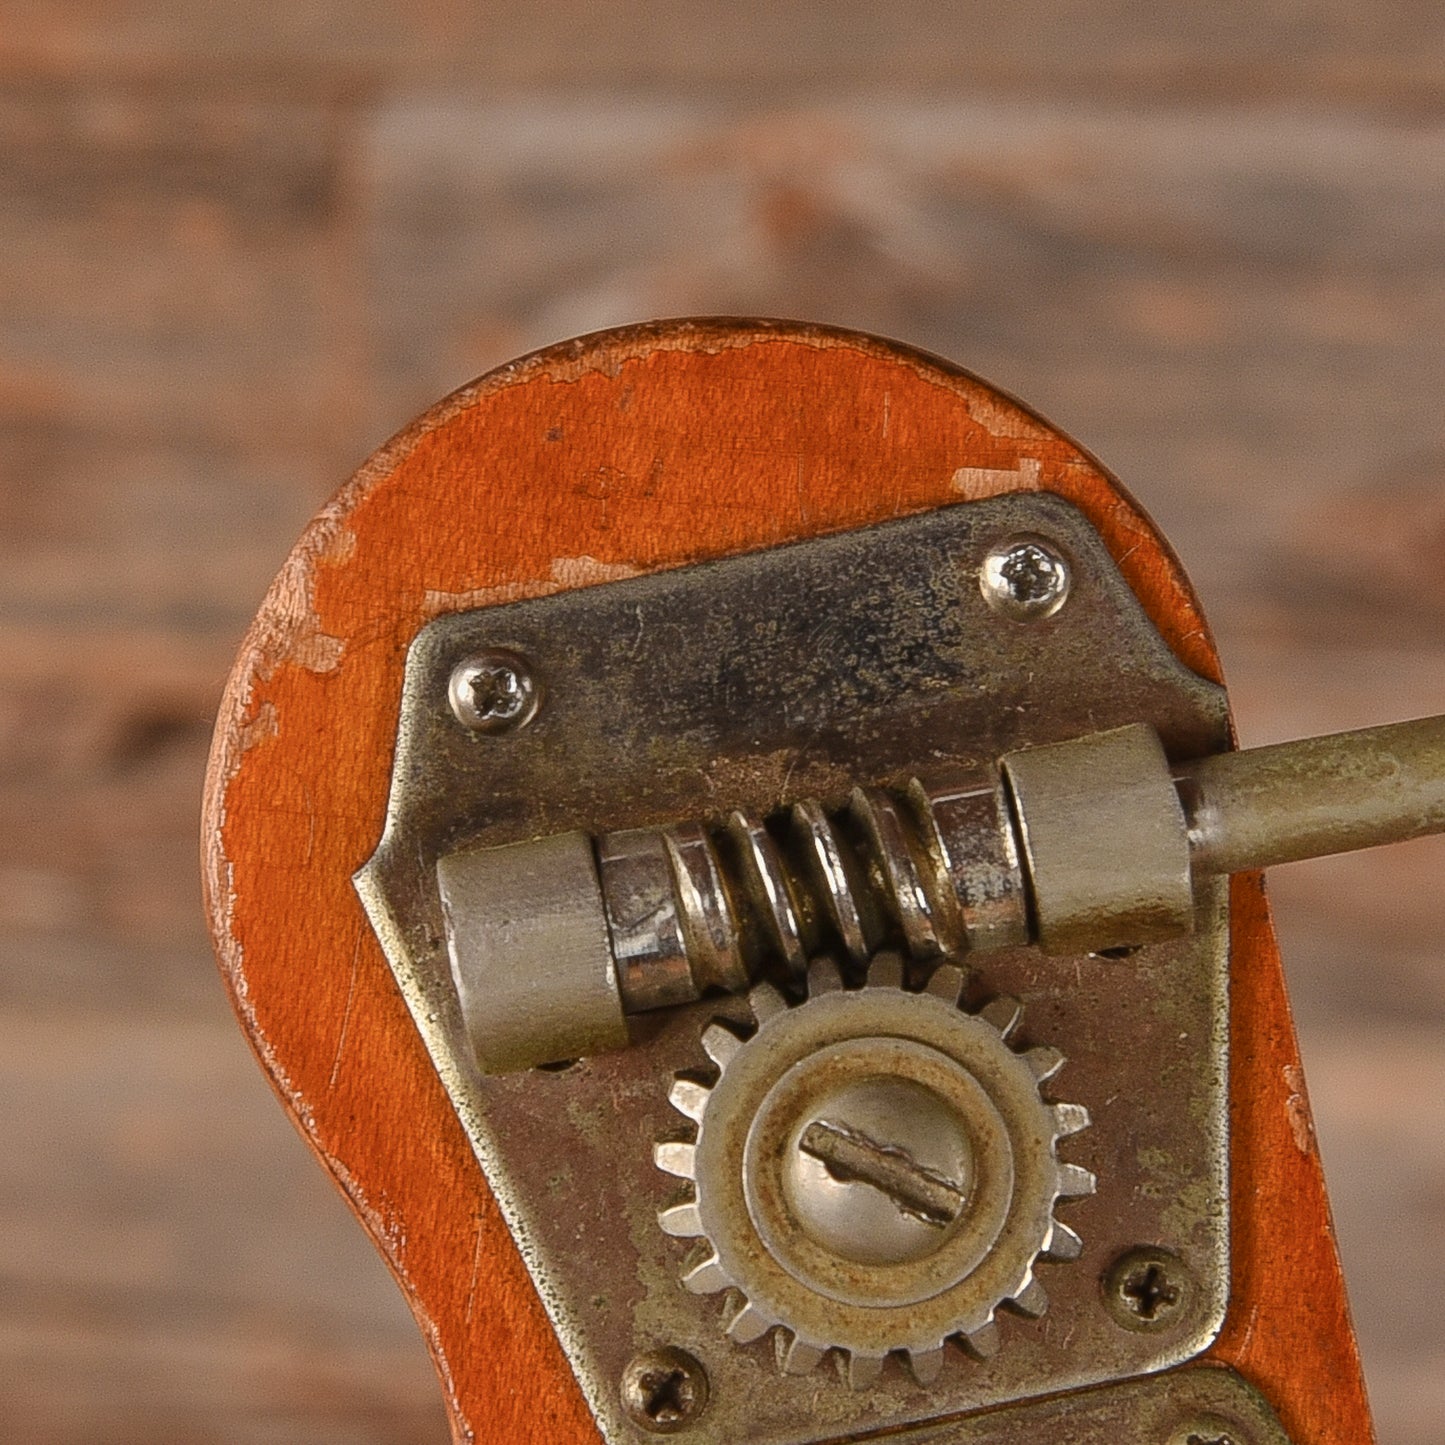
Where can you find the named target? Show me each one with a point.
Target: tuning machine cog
(874, 1171)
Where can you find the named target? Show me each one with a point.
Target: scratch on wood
(286, 629)
(976, 483)
(346, 1011)
(566, 574)
(310, 824)
(1297, 1106)
(229, 953)
(218, 882)
(1249, 1330)
(572, 361)
(476, 1273)
(387, 1230)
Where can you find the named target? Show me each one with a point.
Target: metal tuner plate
(828, 1165)
(1194, 1405)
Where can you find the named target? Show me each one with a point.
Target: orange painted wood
(622, 453)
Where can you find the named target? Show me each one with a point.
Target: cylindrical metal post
(1324, 795)
(1079, 846)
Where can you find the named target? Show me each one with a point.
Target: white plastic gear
(865, 1312)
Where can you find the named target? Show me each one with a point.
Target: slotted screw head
(1025, 579)
(493, 692)
(664, 1390)
(880, 1172)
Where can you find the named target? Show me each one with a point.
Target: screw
(1025, 579)
(848, 1156)
(1150, 1289)
(664, 1390)
(493, 692)
(881, 1171)
(1207, 1430)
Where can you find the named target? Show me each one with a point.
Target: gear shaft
(1093, 845)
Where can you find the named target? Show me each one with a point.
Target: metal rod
(1083, 846)
(1305, 799)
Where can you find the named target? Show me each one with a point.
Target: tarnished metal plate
(1196, 1405)
(863, 658)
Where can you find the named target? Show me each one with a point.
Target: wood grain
(642, 449)
(238, 245)
(1265, 49)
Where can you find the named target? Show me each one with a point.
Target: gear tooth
(766, 1002)
(926, 1365)
(823, 977)
(984, 1342)
(1070, 1119)
(1032, 1300)
(1064, 1245)
(1003, 1013)
(682, 1221)
(751, 1304)
(689, 1098)
(886, 971)
(946, 982)
(798, 1357)
(674, 1158)
(706, 1277)
(864, 1370)
(747, 1324)
(1045, 1062)
(720, 1044)
(1075, 1182)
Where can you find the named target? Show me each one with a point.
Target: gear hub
(874, 1171)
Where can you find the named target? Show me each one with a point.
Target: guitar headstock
(651, 759)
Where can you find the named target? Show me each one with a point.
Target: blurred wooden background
(241, 244)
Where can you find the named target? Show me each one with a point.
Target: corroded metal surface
(860, 659)
(1316, 796)
(1196, 1405)
(537, 903)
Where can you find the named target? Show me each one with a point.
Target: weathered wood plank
(1243, 309)
(1210, 244)
(150, 1297)
(1373, 1088)
(1388, 52)
(173, 261)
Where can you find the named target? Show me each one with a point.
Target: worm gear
(874, 1171)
